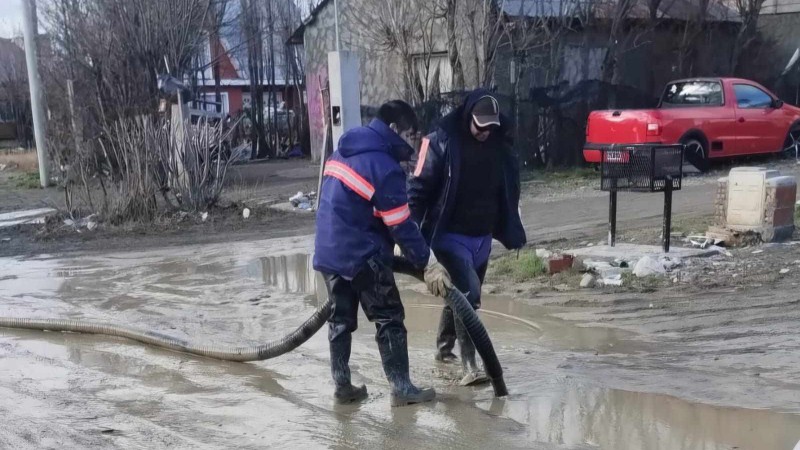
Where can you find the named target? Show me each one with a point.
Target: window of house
(210, 102)
(434, 74)
(751, 97)
(693, 93)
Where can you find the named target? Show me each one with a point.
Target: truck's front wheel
(696, 153)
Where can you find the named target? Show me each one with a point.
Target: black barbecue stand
(641, 168)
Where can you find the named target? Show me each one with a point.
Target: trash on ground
(613, 280)
(88, 222)
(587, 281)
(648, 266)
(303, 201)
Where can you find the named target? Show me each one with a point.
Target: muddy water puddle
(234, 294)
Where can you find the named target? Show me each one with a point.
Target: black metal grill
(641, 167)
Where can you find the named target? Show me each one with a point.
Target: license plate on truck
(616, 156)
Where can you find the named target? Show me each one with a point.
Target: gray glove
(436, 278)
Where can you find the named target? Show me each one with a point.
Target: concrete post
(37, 106)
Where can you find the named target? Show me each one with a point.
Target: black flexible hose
(240, 354)
(472, 323)
(461, 307)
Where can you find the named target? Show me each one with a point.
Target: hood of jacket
(459, 120)
(375, 137)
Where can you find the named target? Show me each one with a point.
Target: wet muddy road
(613, 374)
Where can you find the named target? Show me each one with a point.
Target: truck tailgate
(620, 127)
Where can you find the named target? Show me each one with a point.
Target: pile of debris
(302, 201)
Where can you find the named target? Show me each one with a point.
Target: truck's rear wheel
(696, 153)
(791, 147)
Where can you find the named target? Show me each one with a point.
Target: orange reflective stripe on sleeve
(350, 178)
(394, 216)
(423, 153)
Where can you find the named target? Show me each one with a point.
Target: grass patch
(646, 284)
(524, 268)
(25, 180)
(692, 225)
(577, 174)
(20, 160)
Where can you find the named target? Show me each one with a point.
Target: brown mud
(608, 372)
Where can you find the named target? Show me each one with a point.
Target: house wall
(382, 76)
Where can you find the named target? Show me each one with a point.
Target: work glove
(436, 278)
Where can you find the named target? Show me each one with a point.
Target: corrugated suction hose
(240, 354)
(472, 323)
(461, 307)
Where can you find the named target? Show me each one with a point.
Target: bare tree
(618, 17)
(106, 55)
(749, 12)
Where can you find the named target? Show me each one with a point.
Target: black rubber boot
(446, 337)
(394, 355)
(340, 370)
(474, 375)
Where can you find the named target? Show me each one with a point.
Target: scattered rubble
(88, 222)
(588, 281)
(559, 263)
(303, 201)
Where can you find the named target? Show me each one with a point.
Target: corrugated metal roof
(668, 9)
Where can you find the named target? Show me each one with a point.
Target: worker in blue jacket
(363, 213)
(464, 192)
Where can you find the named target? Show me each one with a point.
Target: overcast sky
(10, 18)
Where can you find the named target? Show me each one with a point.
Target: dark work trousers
(375, 289)
(465, 258)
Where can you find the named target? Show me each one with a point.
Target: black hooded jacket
(431, 188)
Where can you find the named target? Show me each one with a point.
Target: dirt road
(717, 371)
(677, 369)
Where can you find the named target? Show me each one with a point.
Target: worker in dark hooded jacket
(464, 192)
(363, 212)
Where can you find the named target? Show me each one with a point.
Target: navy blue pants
(466, 259)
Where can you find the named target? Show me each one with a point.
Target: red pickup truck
(713, 117)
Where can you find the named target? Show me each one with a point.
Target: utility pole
(29, 30)
(336, 22)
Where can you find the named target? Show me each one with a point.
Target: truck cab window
(692, 93)
(751, 97)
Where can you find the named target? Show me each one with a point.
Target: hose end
(499, 386)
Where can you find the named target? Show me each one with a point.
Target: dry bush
(145, 158)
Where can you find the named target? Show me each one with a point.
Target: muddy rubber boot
(340, 370)
(446, 337)
(394, 355)
(474, 375)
